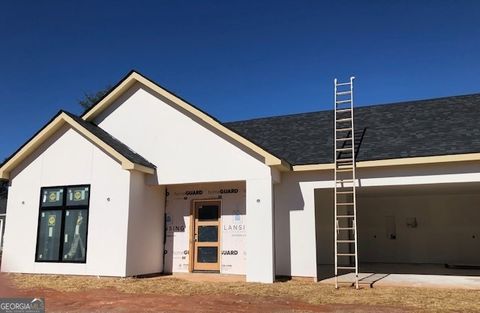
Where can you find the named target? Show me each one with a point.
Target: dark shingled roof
(118, 146)
(431, 127)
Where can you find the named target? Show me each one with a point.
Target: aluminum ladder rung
(343, 101)
(346, 203)
(341, 93)
(344, 192)
(345, 254)
(343, 129)
(343, 149)
(343, 120)
(344, 139)
(342, 166)
(343, 84)
(344, 170)
(345, 228)
(345, 180)
(345, 241)
(345, 216)
(346, 268)
(345, 160)
(343, 110)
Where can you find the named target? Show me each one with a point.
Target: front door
(206, 235)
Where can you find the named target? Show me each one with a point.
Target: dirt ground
(91, 294)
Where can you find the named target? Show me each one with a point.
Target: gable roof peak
(187, 108)
(129, 159)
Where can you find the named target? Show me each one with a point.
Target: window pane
(77, 195)
(208, 212)
(207, 233)
(207, 254)
(49, 235)
(75, 235)
(52, 197)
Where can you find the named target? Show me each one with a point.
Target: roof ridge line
(357, 107)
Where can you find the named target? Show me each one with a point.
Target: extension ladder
(345, 218)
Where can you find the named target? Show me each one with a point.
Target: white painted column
(260, 254)
(303, 256)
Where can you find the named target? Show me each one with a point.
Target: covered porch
(219, 228)
(205, 228)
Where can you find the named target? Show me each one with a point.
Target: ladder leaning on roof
(345, 216)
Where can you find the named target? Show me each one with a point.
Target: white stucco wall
(185, 151)
(233, 227)
(260, 233)
(295, 224)
(67, 158)
(145, 227)
(295, 229)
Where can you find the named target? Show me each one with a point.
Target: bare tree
(91, 98)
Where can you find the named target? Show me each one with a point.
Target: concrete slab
(406, 275)
(432, 281)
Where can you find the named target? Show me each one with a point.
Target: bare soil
(91, 294)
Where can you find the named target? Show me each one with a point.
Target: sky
(233, 59)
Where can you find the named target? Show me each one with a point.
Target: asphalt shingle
(118, 146)
(409, 129)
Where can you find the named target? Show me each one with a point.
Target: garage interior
(411, 229)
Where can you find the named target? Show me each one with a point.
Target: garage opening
(416, 229)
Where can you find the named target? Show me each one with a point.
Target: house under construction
(145, 182)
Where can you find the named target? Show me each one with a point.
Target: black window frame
(63, 209)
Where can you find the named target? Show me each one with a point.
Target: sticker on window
(52, 197)
(77, 196)
(51, 220)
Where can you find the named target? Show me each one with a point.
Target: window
(62, 224)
